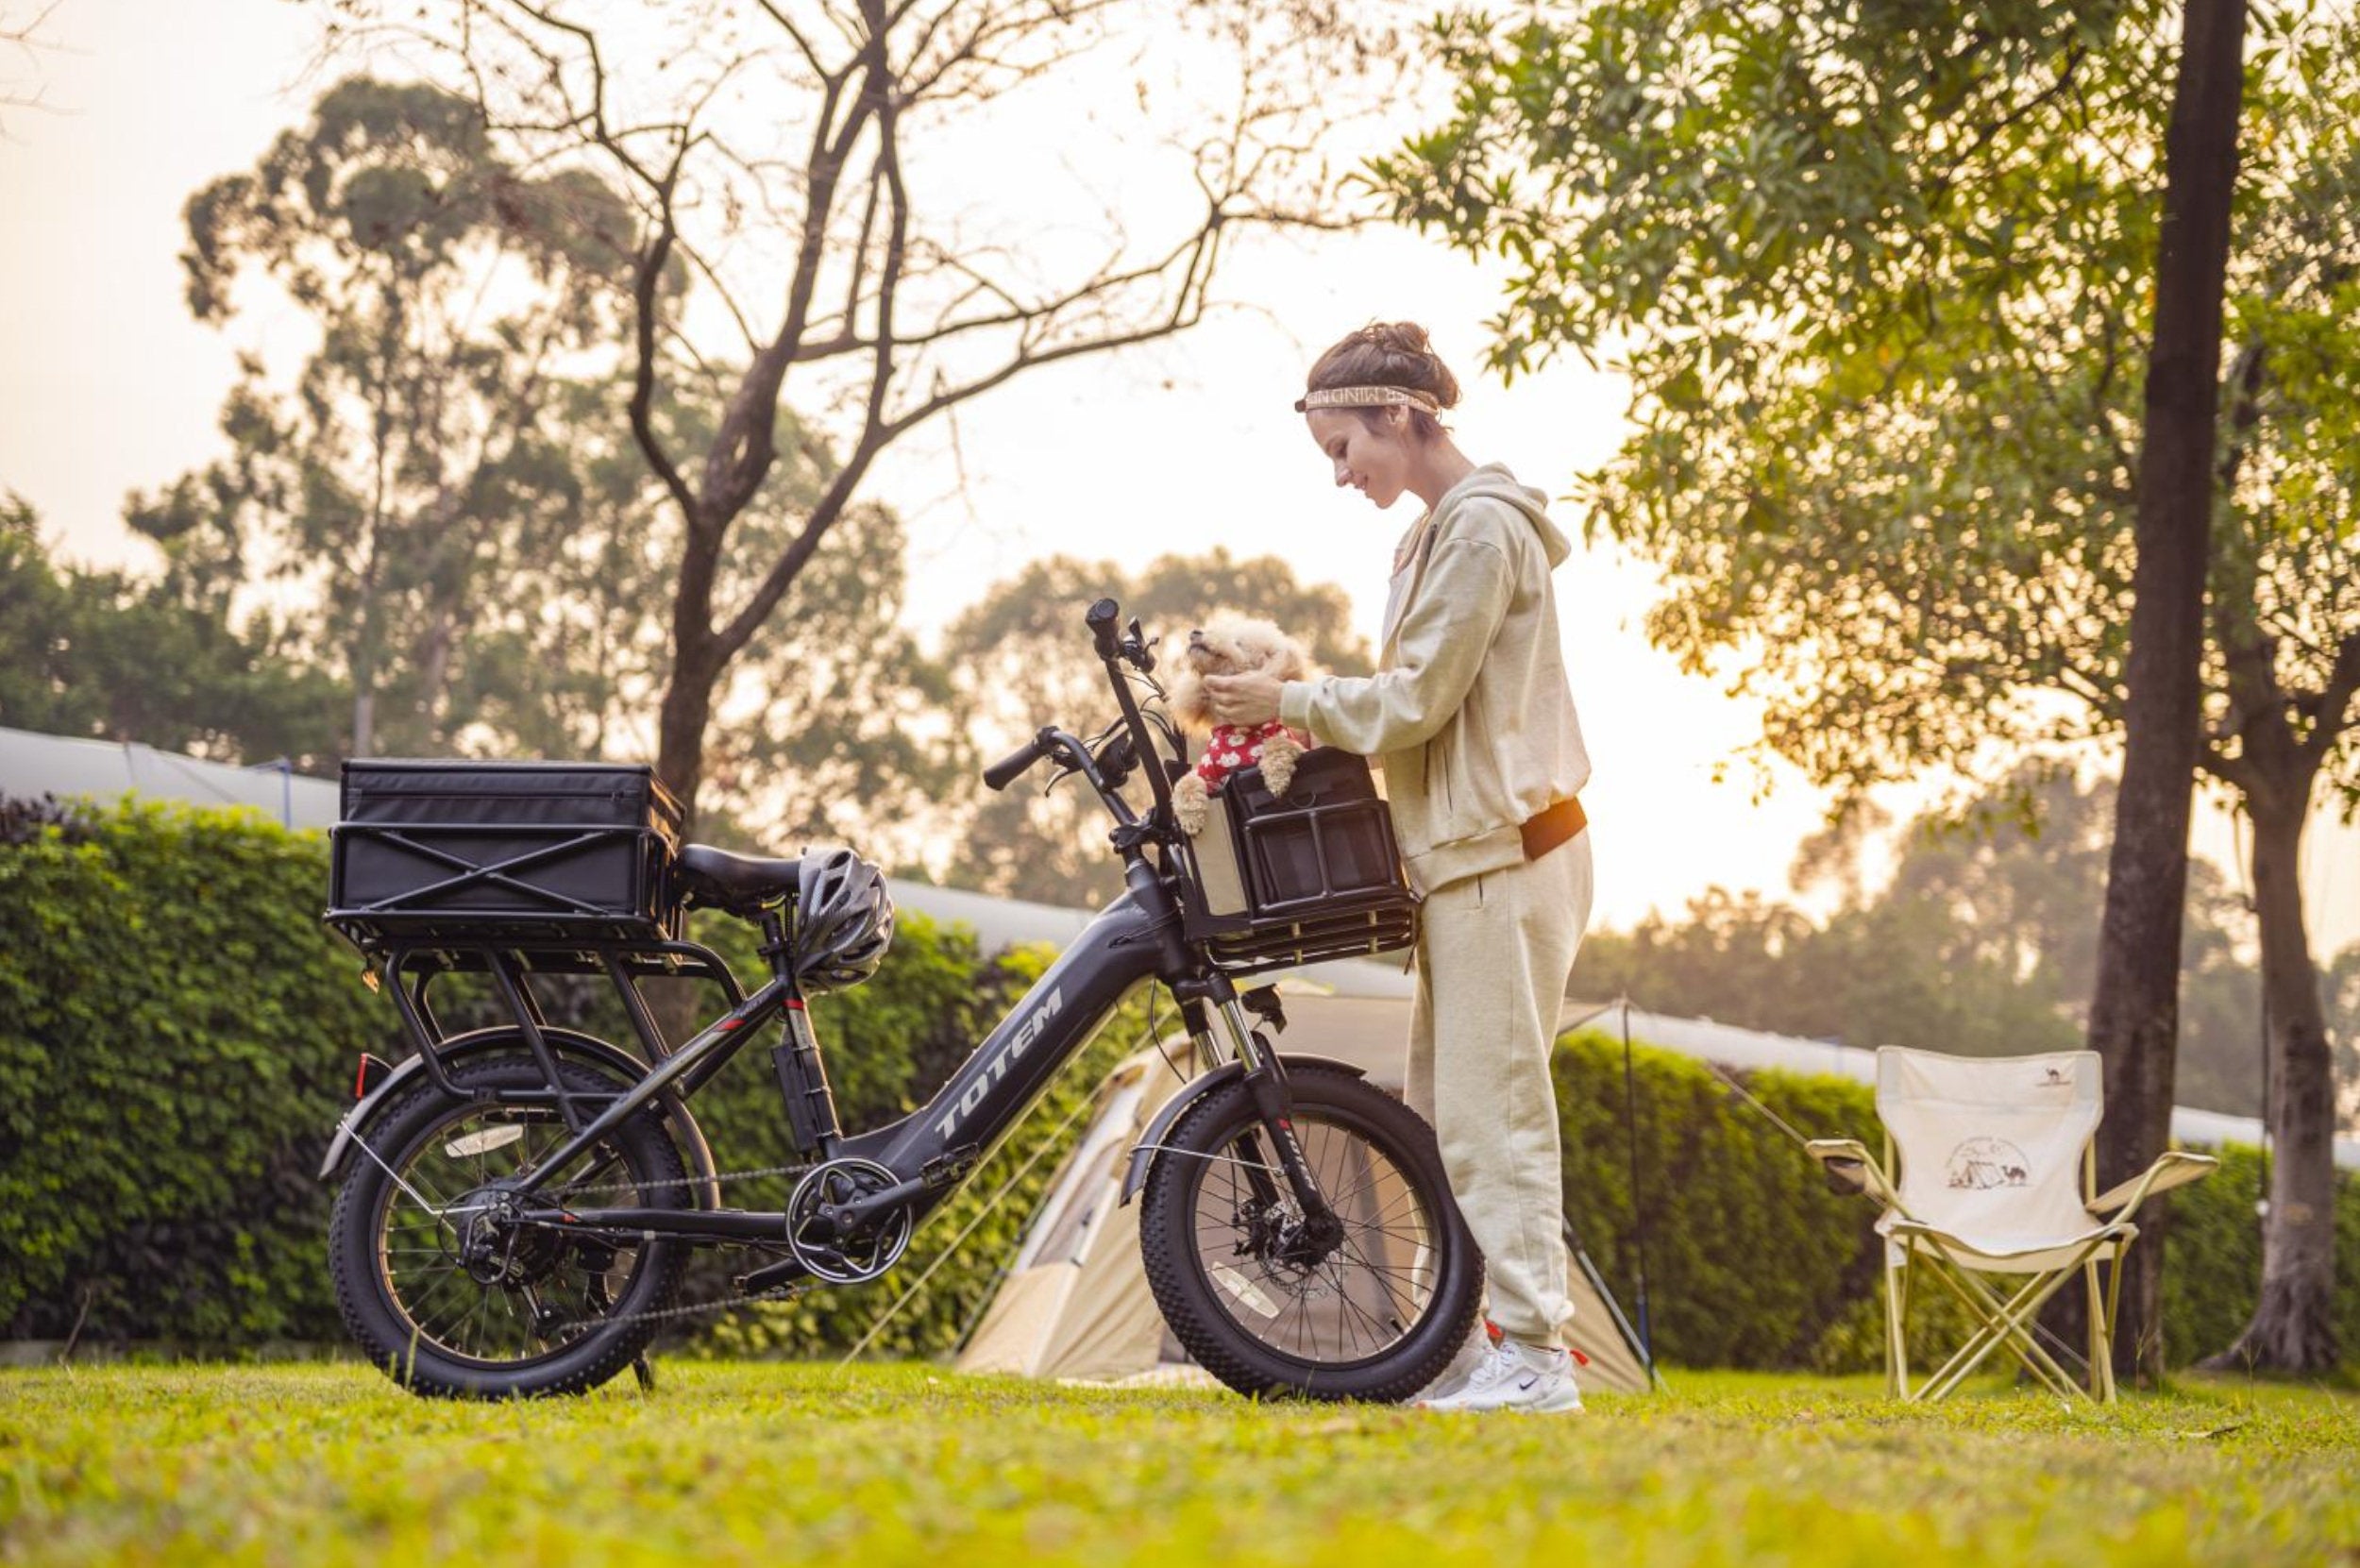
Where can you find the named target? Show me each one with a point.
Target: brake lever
(1136, 645)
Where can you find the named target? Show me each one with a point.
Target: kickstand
(645, 1373)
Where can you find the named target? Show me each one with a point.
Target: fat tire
(1186, 1295)
(377, 1323)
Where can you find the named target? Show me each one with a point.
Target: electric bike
(518, 1203)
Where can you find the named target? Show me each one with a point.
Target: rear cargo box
(504, 851)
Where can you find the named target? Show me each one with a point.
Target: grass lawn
(908, 1464)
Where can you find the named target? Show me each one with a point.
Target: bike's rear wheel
(1378, 1315)
(538, 1312)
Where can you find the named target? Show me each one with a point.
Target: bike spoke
(1353, 1303)
(541, 1300)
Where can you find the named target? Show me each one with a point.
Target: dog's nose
(1196, 635)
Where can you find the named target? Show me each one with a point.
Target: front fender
(1151, 1143)
(565, 1042)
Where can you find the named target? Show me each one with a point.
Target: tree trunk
(680, 757)
(2135, 1012)
(2294, 1322)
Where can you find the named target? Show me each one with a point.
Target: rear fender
(565, 1043)
(1151, 1143)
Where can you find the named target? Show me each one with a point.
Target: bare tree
(21, 44)
(815, 167)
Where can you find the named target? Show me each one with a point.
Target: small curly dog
(1232, 645)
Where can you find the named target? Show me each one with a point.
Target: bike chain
(717, 1179)
(661, 1314)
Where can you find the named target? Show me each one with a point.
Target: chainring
(840, 1258)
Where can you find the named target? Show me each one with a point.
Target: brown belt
(1546, 829)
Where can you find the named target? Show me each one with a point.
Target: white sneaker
(1470, 1356)
(1516, 1376)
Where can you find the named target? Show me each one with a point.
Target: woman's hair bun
(1386, 353)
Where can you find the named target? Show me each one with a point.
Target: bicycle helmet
(843, 921)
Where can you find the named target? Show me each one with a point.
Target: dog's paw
(1191, 805)
(1279, 753)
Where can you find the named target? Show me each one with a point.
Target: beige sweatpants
(1494, 954)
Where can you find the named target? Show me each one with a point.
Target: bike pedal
(780, 1273)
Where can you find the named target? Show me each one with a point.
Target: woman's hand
(1246, 699)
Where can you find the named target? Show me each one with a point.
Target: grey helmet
(843, 921)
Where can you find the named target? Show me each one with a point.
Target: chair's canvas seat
(2028, 1257)
(1991, 1150)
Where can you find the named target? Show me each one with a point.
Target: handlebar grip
(1101, 621)
(1005, 772)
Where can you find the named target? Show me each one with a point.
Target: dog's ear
(1292, 663)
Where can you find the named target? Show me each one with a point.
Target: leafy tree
(1883, 277)
(830, 269)
(100, 654)
(416, 475)
(1019, 659)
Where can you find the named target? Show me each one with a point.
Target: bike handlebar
(1113, 650)
(1005, 771)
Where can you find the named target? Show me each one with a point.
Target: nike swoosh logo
(1527, 1384)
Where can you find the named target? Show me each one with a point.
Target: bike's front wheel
(448, 1295)
(1374, 1307)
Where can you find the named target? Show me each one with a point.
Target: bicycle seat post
(774, 950)
(811, 1116)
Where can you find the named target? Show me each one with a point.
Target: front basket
(1300, 880)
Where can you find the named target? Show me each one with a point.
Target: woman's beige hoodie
(1468, 713)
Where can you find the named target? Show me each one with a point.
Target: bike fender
(564, 1042)
(1151, 1142)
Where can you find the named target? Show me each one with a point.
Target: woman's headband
(1365, 398)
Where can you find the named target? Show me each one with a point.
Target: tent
(1074, 1302)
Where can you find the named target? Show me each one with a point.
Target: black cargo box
(504, 851)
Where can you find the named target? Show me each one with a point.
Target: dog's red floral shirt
(1233, 746)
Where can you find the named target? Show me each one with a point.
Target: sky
(107, 386)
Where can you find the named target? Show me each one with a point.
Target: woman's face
(1368, 455)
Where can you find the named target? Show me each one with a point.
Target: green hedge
(177, 1042)
(177, 1037)
(1752, 1262)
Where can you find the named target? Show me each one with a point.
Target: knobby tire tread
(1165, 1238)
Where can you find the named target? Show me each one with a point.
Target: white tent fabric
(34, 765)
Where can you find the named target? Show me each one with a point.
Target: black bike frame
(1137, 938)
(1134, 939)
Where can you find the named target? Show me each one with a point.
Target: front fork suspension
(1274, 1107)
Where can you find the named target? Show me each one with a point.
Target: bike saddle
(717, 876)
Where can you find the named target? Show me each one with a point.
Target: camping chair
(1997, 1165)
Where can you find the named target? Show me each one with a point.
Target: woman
(1470, 719)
